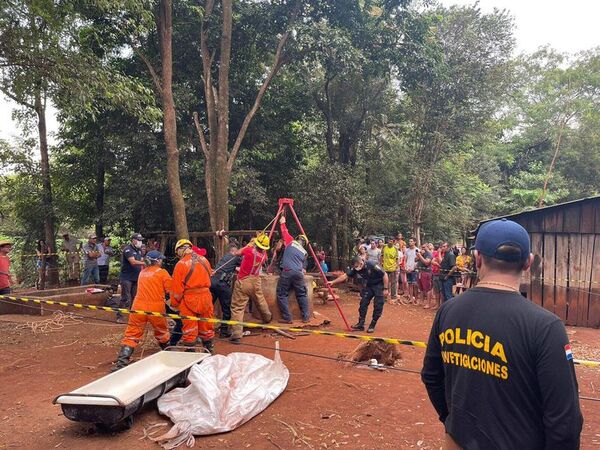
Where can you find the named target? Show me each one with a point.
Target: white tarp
(225, 392)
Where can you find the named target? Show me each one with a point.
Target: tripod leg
(312, 252)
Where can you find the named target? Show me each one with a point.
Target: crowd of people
(426, 276)
(488, 341)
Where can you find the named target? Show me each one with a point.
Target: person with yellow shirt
(389, 256)
(463, 263)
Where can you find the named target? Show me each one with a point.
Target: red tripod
(283, 202)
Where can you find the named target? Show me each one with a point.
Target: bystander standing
(6, 280)
(106, 251)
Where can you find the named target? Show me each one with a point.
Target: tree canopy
(376, 116)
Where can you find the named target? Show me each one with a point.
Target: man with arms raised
(498, 368)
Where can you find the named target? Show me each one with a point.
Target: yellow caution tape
(245, 324)
(216, 321)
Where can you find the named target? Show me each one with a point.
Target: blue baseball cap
(493, 235)
(155, 254)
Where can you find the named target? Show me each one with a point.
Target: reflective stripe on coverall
(153, 285)
(193, 298)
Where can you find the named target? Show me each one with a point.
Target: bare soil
(327, 404)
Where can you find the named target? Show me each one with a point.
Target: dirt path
(326, 403)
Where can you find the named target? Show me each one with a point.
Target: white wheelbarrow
(111, 401)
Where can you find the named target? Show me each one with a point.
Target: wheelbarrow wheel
(123, 425)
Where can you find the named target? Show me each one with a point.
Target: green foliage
(384, 118)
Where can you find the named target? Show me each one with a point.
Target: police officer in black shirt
(220, 284)
(131, 266)
(498, 368)
(376, 287)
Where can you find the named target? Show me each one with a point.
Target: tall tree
(453, 88)
(215, 134)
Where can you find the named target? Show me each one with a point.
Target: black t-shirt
(448, 262)
(499, 371)
(371, 272)
(129, 272)
(421, 265)
(225, 267)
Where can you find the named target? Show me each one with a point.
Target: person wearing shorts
(435, 275)
(424, 258)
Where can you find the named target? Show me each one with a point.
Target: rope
(58, 321)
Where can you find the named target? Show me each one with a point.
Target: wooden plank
(536, 223)
(549, 265)
(574, 275)
(572, 219)
(587, 249)
(553, 221)
(594, 308)
(588, 213)
(562, 276)
(537, 270)
(525, 286)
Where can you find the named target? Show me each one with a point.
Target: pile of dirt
(386, 354)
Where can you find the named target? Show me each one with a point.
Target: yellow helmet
(262, 241)
(302, 236)
(181, 243)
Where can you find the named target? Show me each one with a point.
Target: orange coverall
(193, 298)
(153, 284)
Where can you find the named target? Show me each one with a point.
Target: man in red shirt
(5, 277)
(248, 284)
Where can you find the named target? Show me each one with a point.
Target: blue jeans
(287, 281)
(88, 273)
(447, 288)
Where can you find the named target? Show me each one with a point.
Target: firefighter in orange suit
(154, 283)
(191, 294)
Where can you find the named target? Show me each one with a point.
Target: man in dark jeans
(293, 264)
(131, 266)
(447, 268)
(220, 285)
(376, 289)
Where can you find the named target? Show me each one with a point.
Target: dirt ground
(328, 404)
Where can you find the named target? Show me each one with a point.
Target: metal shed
(565, 275)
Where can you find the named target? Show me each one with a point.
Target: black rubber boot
(209, 345)
(163, 345)
(123, 357)
(224, 331)
(371, 328)
(360, 326)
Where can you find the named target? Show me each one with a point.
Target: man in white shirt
(374, 252)
(410, 266)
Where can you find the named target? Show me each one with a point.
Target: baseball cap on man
(137, 236)
(498, 233)
(155, 254)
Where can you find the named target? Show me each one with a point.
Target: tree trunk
(47, 208)
(345, 238)
(100, 177)
(165, 27)
(335, 257)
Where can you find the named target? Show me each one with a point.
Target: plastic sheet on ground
(225, 392)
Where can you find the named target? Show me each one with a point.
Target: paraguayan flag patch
(568, 352)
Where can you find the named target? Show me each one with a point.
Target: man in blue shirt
(131, 266)
(293, 264)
